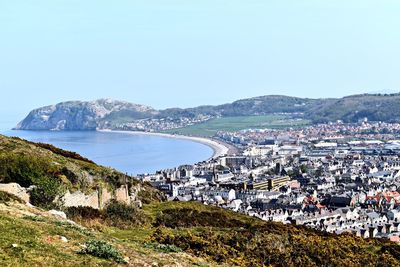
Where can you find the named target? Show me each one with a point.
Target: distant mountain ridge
(110, 114)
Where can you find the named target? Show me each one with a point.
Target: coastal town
(336, 177)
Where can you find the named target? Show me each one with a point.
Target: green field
(231, 124)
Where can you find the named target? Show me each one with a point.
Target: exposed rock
(78, 198)
(58, 214)
(16, 190)
(96, 200)
(78, 115)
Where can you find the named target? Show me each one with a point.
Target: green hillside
(230, 124)
(375, 107)
(31, 237)
(188, 234)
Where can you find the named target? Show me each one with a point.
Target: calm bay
(133, 154)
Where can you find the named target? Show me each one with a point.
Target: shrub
(45, 192)
(149, 195)
(27, 171)
(102, 249)
(163, 248)
(81, 212)
(122, 215)
(24, 170)
(115, 214)
(71, 176)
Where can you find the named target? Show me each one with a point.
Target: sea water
(132, 154)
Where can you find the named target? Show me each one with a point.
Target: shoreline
(219, 148)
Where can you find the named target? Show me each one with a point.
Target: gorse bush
(236, 240)
(102, 249)
(45, 192)
(24, 170)
(117, 211)
(27, 171)
(114, 214)
(83, 213)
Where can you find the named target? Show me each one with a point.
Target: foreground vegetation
(159, 234)
(30, 237)
(178, 234)
(227, 237)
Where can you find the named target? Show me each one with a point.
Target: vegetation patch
(188, 217)
(45, 192)
(163, 248)
(7, 197)
(62, 152)
(34, 218)
(231, 124)
(115, 214)
(102, 249)
(23, 169)
(251, 242)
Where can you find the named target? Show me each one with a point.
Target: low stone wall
(97, 200)
(80, 199)
(122, 195)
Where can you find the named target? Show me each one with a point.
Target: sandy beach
(219, 148)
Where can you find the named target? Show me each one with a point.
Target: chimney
(387, 226)
(371, 231)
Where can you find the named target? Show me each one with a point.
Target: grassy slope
(231, 124)
(37, 236)
(81, 174)
(208, 236)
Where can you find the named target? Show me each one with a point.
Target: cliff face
(77, 115)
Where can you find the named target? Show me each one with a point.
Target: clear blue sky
(189, 52)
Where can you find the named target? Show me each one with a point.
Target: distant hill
(111, 114)
(79, 115)
(375, 107)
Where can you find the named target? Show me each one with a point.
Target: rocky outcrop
(97, 199)
(78, 115)
(16, 190)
